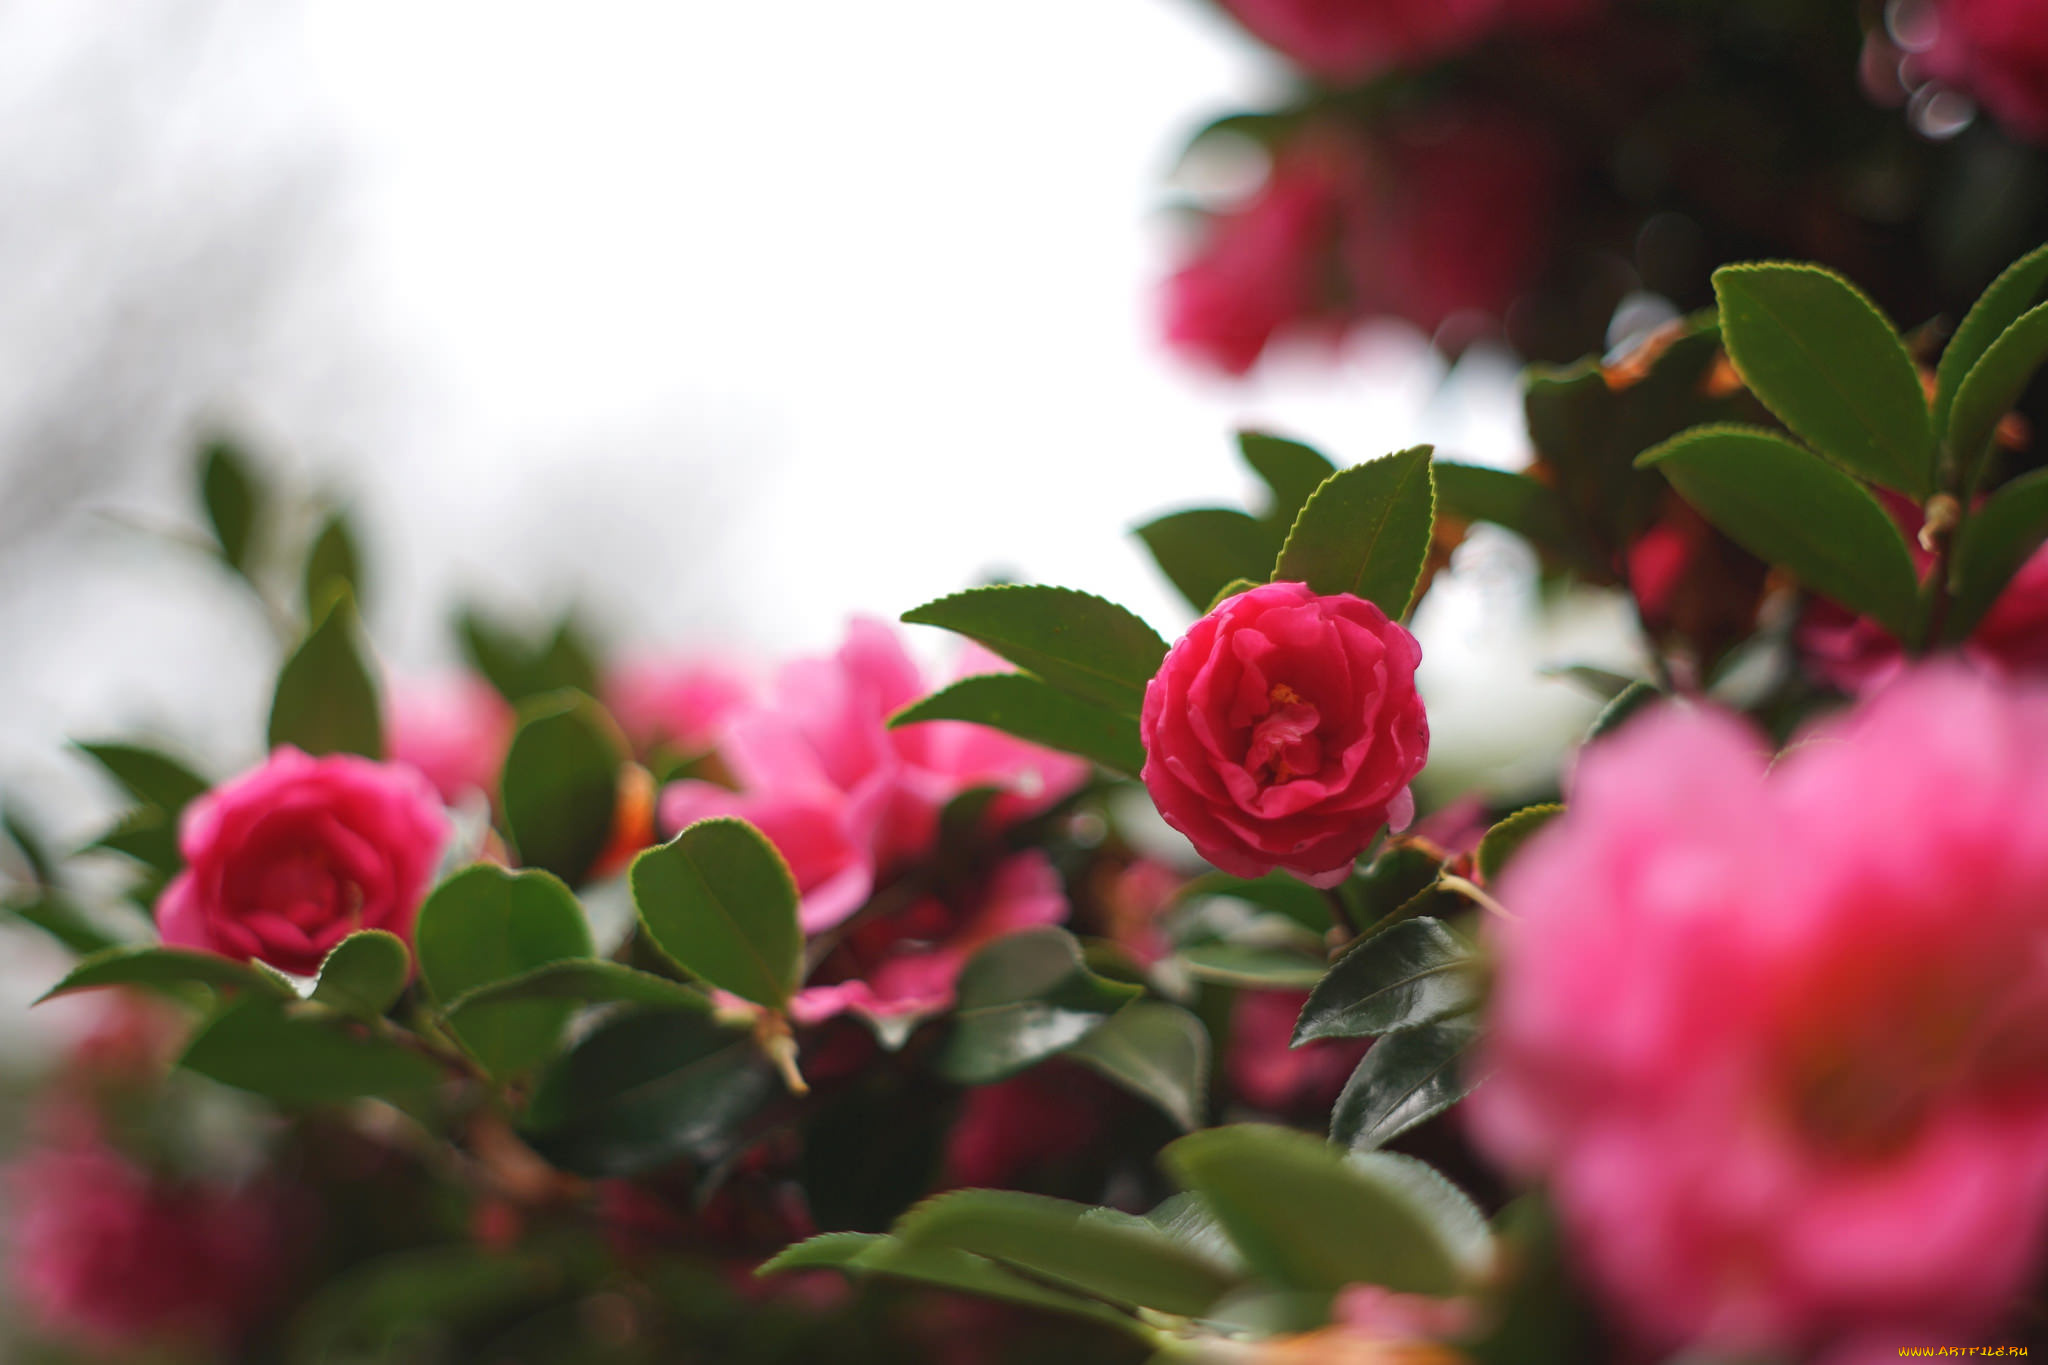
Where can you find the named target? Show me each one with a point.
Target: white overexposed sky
(726, 320)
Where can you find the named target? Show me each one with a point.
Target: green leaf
(1792, 508)
(1290, 469)
(148, 836)
(1201, 550)
(2001, 536)
(719, 900)
(1124, 1260)
(2014, 292)
(873, 1253)
(1405, 1079)
(522, 668)
(1505, 839)
(1307, 1218)
(272, 1048)
(1230, 590)
(1276, 891)
(1248, 966)
(232, 497)
(589, 981)
(1824, 359)
(30, 845)
(1074, 640)
(1365, 532)
(1993, 386)
(1625, 704)
(326, 699)
(1391, 883)
(365, 974)
(406, 1305)
(1409, 974)
(1156, 1051)
(151, 777)
(1534, 511)
(153, 966)
(1023, 999)
(55, 915)
(645, 1090)
(332, 562)
(1021, 705)
(560, 784)
(483, 926)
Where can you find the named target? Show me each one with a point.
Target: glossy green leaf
(1156, 1051)
(332, 562)
(588, 981)
(1402, 872)
(1124, 1260)
(2014, 292)
(1307, 1218)
(1794, 509)
(326, 698)
(1204, 548)
(1365, 532)
(148, 836)
(560, 784)
(1458, 1221)
(1409, 974)
(229, 491)
(1405, 1079)
(1824, 359)
(1251, 967)
(522, 668)
(1534, 511)
(1077, 642)
(645, 1090)
(272, 1048)
(1291, 470)
(1505, 839)
(1996, 541)
(154, 966)
(1021, 705)
(719, 900)
(1187, 1219)
(365, 974)
(1992, 389)
(150, 776)
(485, 925)
(941, 1268)
(1022, 999)
(1616, 713)
(1276, 891)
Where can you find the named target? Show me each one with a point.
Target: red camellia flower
(1998, 51)
(1283, 729)
(287, 860)
(107, 1256)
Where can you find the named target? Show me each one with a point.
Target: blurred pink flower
(106, 1256)
(288, 859)
(1283, 729)
(1267, 1073)
(1777, 1037)
(1431, 217)
(453, 730)
(907, 964)
(1008, 1131)
(1349, 40)
(844, 797)
(1856, 654)
(1998, 51)
(680, 702)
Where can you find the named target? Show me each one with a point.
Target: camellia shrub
(596, 1009)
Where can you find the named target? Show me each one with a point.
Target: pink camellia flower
(1998, 51)
(1268, 265)
(106, 1256)
(290, 858)
(1044, 1117)
(454, 731)
(840, 794)
(1283, 729)
(1348, 40)
(1777, 1036)
(683, 703)
(1856, 654)
(1269, 1074)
